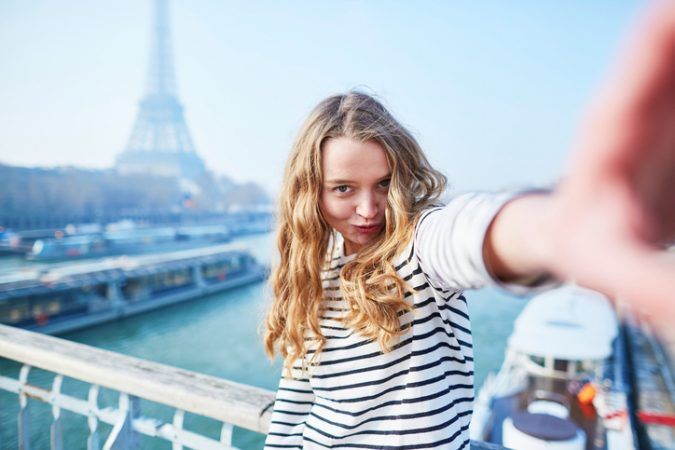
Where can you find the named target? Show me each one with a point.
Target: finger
(647, 65)
(626, 119)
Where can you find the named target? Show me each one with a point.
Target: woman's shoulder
(424, 214)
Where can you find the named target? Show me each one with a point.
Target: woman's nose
(367, 206)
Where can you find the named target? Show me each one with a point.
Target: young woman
(369, 313)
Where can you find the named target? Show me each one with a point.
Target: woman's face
(354, 192)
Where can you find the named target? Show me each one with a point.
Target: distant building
(160, 142)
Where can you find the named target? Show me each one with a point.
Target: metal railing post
(178, 419)
(24, 412)
(123, 436)
(56, 432)
(93, 440)
(226, 434)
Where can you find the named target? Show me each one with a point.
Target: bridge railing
(133, 379)
(184, 391)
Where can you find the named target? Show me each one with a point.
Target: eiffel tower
(160, 143)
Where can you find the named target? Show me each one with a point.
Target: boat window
(15, 311)
(100, 289)
(538, 360)
(132, 288)
(37, 310)
(18, 314)
(579, 367)
(53, 307)
(235, 261)
(560, 365)
(586, 366)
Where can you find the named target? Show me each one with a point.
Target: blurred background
(493, 91)
(132, 132)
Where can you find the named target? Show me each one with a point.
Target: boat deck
(584, 416)
(654, 384)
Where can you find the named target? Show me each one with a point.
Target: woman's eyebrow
(339, 181)
(346, 181)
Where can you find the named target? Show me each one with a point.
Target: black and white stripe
(419, 395)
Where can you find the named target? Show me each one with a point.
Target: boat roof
(76, 274)
(566, 323)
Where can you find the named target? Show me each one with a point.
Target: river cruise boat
(565, 383)
(126, 242)
(69, 296)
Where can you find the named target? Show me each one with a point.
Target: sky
(494, 91)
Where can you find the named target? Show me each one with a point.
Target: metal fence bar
(24, 411)
(226, 434)
(93, 440)
(178, 418)
(56, 429)
(122, 436)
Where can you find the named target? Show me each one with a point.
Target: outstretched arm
(605, 226)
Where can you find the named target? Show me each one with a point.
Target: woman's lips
(367, 229)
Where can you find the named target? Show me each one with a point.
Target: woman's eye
(341, 189)
(385, 183)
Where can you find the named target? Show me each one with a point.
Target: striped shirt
(420, 394)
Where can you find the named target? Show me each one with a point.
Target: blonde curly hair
(370, 285)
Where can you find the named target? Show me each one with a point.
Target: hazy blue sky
(493, 90)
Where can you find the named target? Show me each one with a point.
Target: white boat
(561, 385)
(69, 296)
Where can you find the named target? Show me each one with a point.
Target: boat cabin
(564, 334)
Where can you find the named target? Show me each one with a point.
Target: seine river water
(219, 335)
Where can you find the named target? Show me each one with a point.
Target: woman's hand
(614, 213)
(607, 223)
